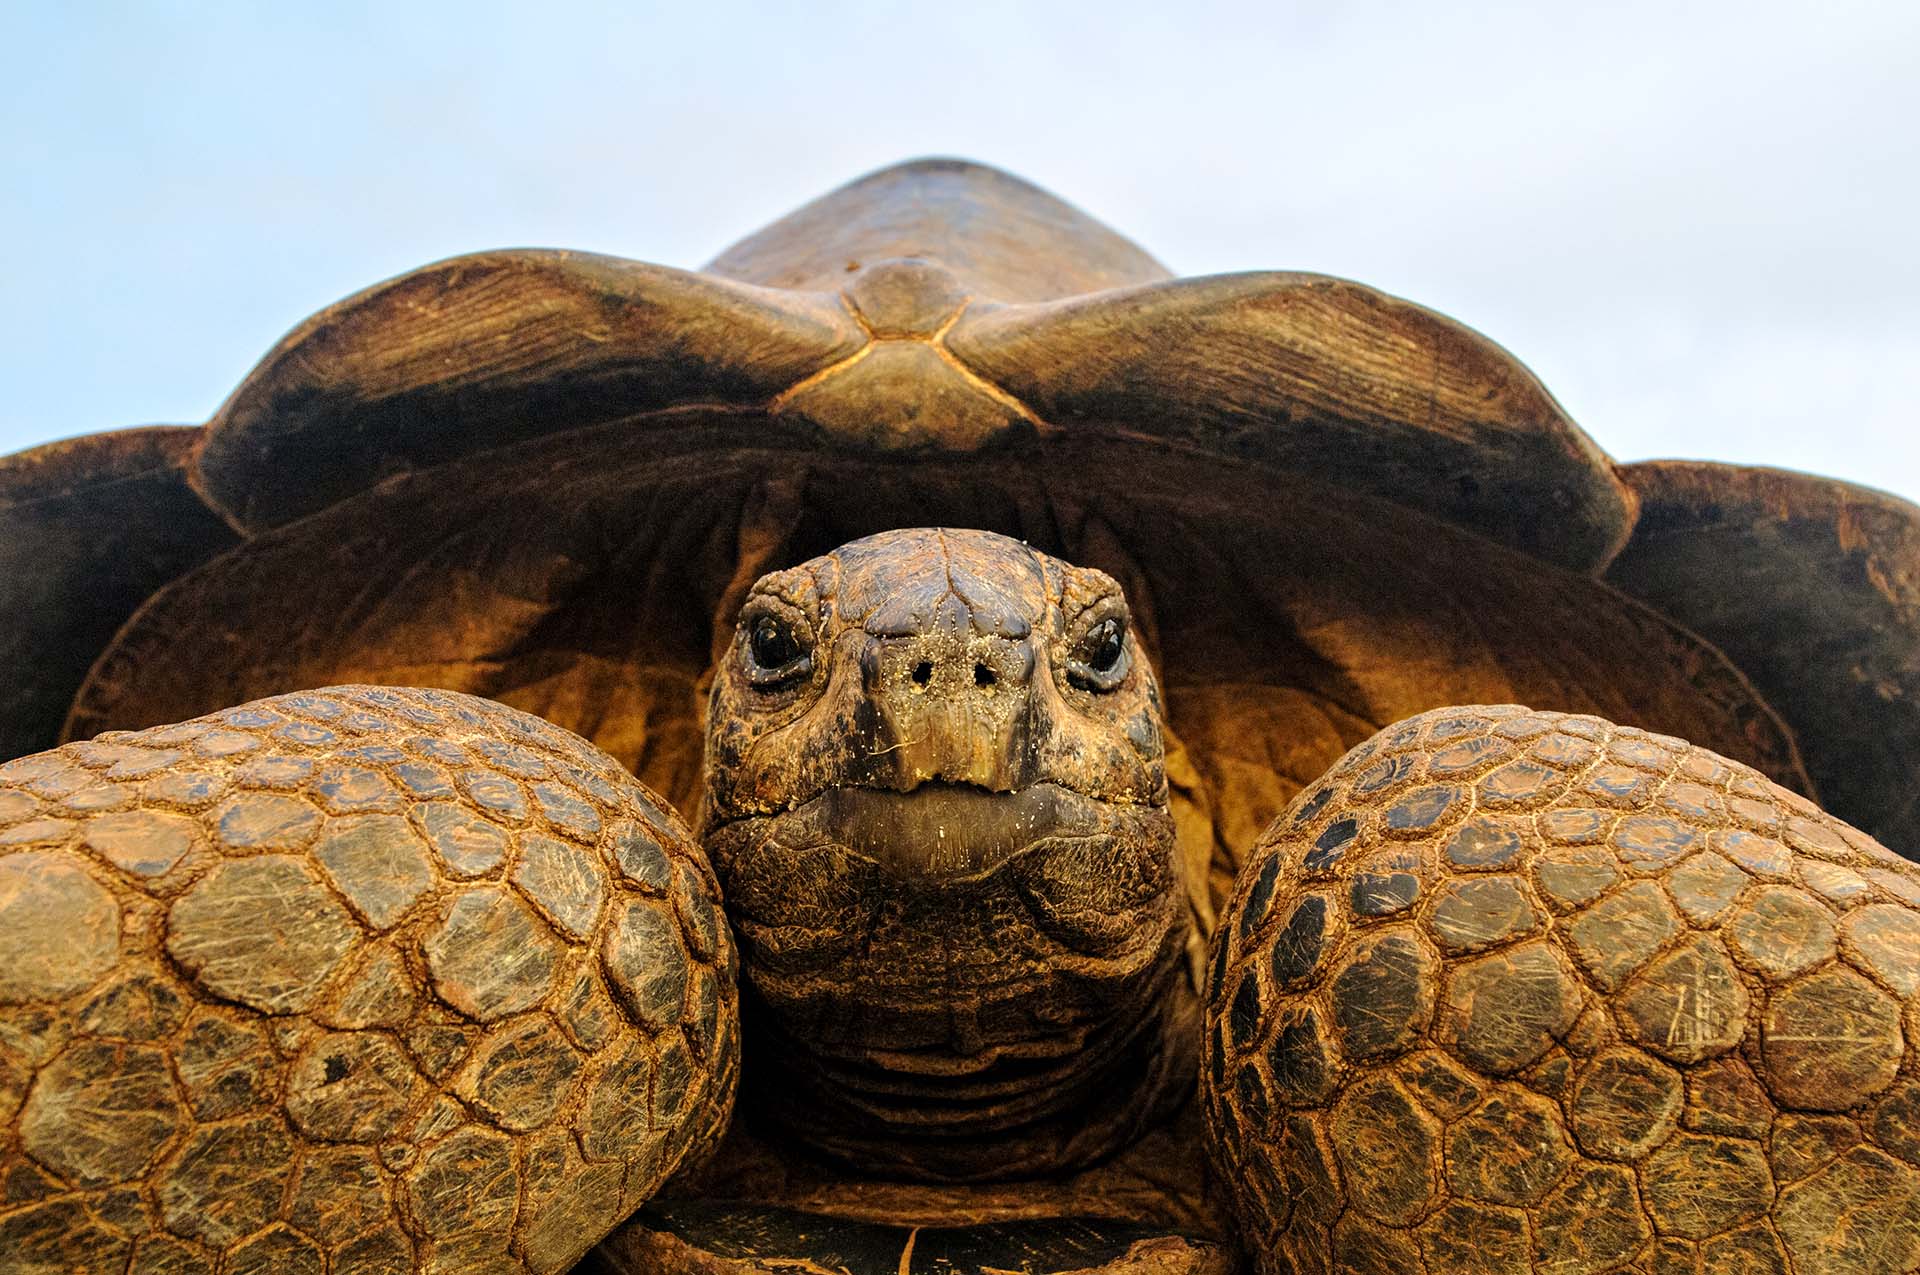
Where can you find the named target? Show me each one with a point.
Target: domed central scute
(1001, 237)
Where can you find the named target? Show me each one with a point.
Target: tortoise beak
(948, 700)
(943, 832)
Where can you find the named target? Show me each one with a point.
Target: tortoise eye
(1099, 660)
(1103, 646)
(774, 653)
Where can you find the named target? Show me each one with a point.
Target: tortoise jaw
(941, 832)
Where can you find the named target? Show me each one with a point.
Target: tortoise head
(937, 800)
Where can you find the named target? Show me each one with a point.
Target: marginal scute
(489, 336)
(90, 528)
(1297, 346)
(1810, 585)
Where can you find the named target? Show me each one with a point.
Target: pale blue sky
(1694, 221)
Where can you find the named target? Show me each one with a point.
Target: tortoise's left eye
(775, 653)
(1099, 660)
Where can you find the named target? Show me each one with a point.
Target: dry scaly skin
(355, 980)
(936, 800)
(1518, 993)
(376, 980)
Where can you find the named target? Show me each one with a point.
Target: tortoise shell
(544, 477)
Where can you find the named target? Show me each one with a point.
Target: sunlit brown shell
(543, 476)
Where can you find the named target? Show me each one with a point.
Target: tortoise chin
(962, 984)
(997, 886)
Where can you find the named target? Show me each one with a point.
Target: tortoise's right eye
(1099, 660)
(775, 653)
(1103, 645)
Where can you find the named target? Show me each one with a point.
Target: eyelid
(1110, 607)
(761, 606)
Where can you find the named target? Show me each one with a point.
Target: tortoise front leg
(357, 980)
(1509, 991)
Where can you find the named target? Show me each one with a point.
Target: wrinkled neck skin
(936, 800)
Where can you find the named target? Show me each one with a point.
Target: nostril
(922, 673)
(983, 676)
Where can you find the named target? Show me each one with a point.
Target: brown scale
(1530, 992)
(354, 980)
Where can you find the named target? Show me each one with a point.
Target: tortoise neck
(1023, 1021)
(1069, 1094)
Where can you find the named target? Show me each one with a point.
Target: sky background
(1698, 223)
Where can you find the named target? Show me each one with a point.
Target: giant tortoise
(1046, 734)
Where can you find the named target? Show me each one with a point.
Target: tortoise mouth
(945, 831)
